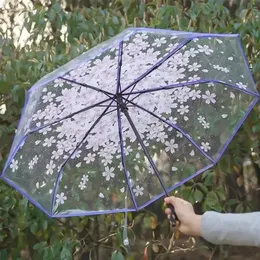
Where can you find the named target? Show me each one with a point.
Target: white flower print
(31, 164)
(50, 167)
(107, 160)
(172, 120)
(58, 83)
(82, 185)
(183, 109)
(108, 173)
(49, 141)
(201, 119)
(35, 159)
(211, 84)
(205, 125)
(14, 165)
(205, 49)
(138, 190)
(90, 158)
(191, 52)
(101, 195)
(205, 146)
(195, 94)
(56, 154)
(171, 146)
(194, 78)
(159, 42)
(241, 85)
(178, 103)
(61, 198)
(209, 97)
(48, 97)
(84, 178)
(179, 134)
(194, 67)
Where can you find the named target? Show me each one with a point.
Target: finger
(168, 211)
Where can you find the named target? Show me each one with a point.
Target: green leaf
(34, 228)
(3, 254)
(211, 199)
(116, 255)
(119, 239)
(65, 254)
(202, 187)
(198, 195)
(221, 193)
(126, 4)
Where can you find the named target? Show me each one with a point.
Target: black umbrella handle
(173, 216)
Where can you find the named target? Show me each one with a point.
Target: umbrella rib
(123, 155)
(76, 148)
(119, 67)
(146, 152)
(176, 128)
(68, 116)
(179, 85)
(158, 64)
(109, 94)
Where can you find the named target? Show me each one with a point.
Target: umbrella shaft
(146, 152)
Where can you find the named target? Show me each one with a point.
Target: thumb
(170, 200)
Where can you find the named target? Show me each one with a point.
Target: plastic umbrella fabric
(129, 121)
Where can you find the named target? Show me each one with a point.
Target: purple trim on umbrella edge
(35, 203)
(148, 29)
(123, 155)
(245, 60)
(176, 127)
(60, 171)
(201, 81)
(10, 158)
(253, 103)
(19, 123)
(92, 213)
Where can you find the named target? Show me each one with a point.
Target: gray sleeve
(231, 229)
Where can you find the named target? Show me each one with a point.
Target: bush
(25, 232)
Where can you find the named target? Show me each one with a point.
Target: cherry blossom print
(61, 198)
(75, 150)
(14, 165)
(109, 173)
(205, 146)
(138, 191)
(209, 97)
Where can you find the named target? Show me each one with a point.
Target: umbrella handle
(173, 217)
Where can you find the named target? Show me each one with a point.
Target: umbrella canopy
(129, 120)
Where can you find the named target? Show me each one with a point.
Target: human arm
(218, 228)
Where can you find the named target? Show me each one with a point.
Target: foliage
(25, 232)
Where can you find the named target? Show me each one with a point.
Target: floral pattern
(186, 109)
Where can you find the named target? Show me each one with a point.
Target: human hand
(189, 221)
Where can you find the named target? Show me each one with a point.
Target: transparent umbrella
(129, 121)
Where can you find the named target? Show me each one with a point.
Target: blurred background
(37, 36)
